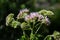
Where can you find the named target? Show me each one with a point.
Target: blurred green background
(13, 6)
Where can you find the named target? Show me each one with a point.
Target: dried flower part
(46, 21)
(22, 13)
(40, 17)
(14, 24)
(46, 13)
(9, 19)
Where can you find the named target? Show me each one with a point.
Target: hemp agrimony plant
(29, 21)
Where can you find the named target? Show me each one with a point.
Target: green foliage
(55, 35)
(32, 36)
(23, 37)
(14, 24)
(23, 6)
(25, 26)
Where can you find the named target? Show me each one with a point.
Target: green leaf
(32, 36)
(15, 24)
(23, 37)
(25, 26)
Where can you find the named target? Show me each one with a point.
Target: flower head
(34, 14)
(27, 17)
(22, 13)
(46, 21)
(40, 17)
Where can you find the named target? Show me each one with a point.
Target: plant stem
(47, 37)
(38, 28)
(37, 24)
(23, 32)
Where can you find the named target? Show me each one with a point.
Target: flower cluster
(32, 16)
(29, 21)
(35, 15)
(46, 21)
(22, 13)
(40, 16)
(10, 21)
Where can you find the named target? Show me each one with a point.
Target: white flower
(24, 10)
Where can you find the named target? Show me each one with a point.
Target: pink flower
(21, 13)
(34, 14)
(47, 20)
(27, 17)
(24, 10)
(31, 16)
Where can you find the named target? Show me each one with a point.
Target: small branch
(38, 28)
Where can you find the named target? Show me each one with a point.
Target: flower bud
(46, 13)
(50, 13)
(15, 23)
(9, 19)
(43, 12)
(25, 26)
